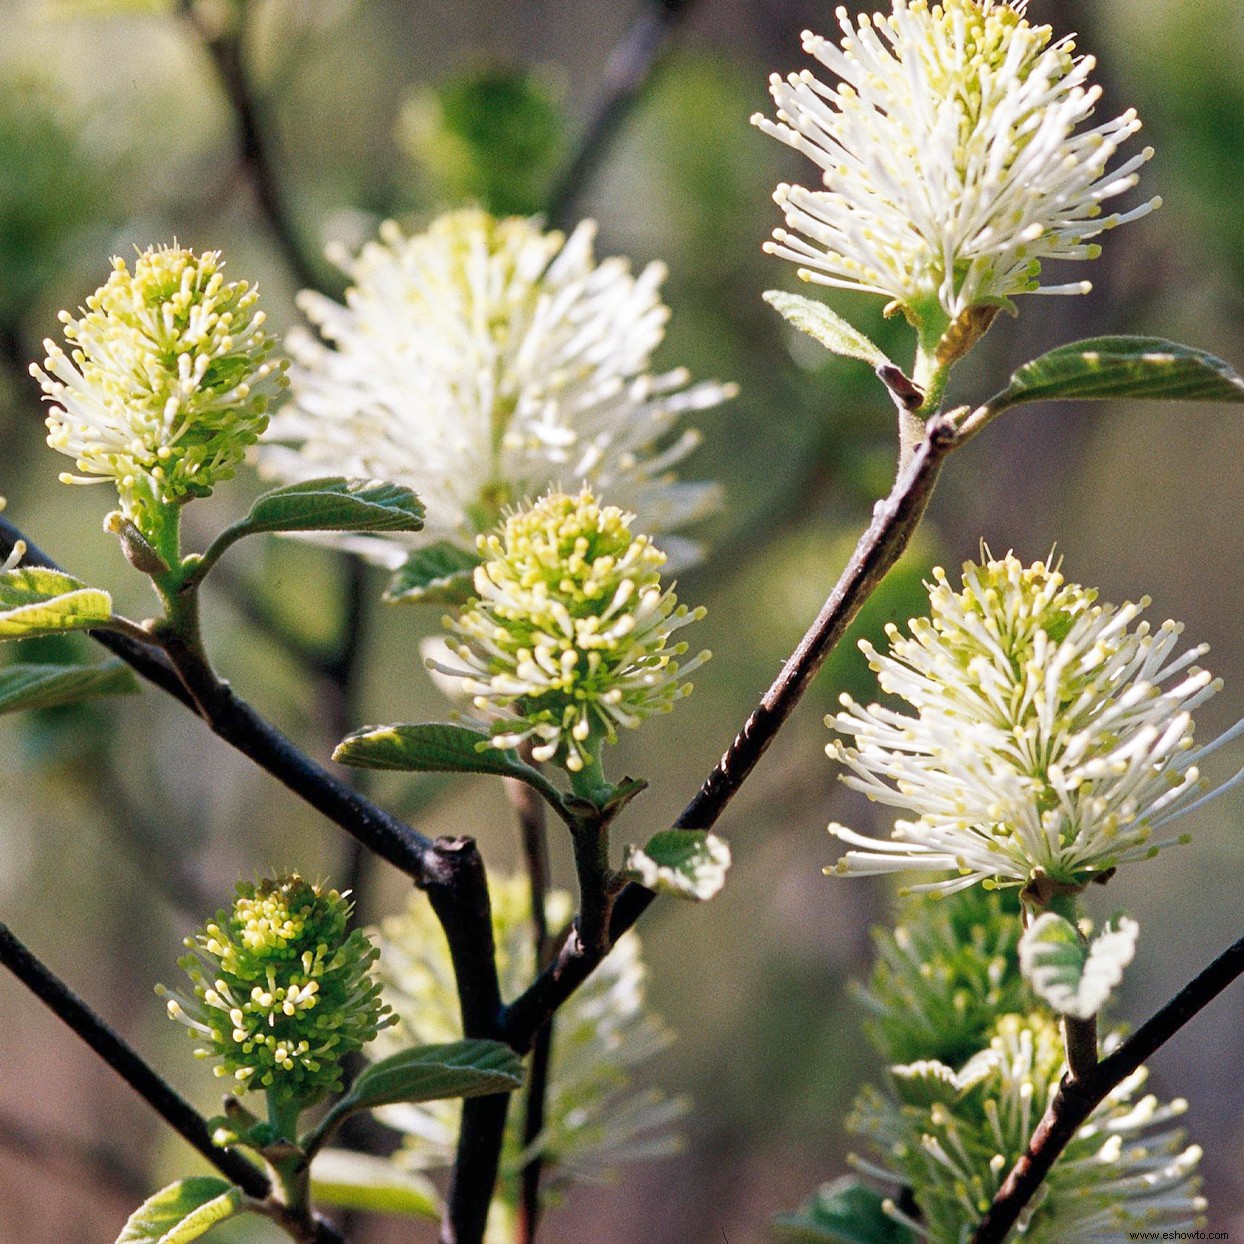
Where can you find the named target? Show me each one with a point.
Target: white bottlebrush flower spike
(167, 383)
(952, 165)
(595, 1120)
(1051, 736)
(951, 1138)
(569, 637)
(480, 363)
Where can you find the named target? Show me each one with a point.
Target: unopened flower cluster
(569, 637)
(951, 164)
(596, 1118)
(480, 363)
(1052, 735)
(282, 992)
(167, 382)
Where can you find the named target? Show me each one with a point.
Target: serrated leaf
(181, 1212)
(29, 686)
(821, 324)
(335, 504)
(688, 863)
(1073, 978)
(38, 601)
(441, 574)
(433, 1072)
(1136, 367)
(361, 1181)
(843, 1212)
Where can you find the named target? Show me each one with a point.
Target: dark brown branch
(894, 521)
(178, 1113)
(233, 720)
(629, 69)
(228, 57)
(460, 899)
(1075, 1100)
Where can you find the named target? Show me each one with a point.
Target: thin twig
(229, 59)
(629, 69)
(529, 808)
(894, 521)
(178, 1113)
(1076, 1100)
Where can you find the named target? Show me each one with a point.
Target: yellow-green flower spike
(282, 992)
(166, 384)
(569, 637)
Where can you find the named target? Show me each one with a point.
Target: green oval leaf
(29, 686)
(361, 1181)
(843, 1212)
(1074, 978)
(335, 504)
(688, 863)
(1110, 367)
(832, 331)
(181, 1212)
(38, 601)
(436, 746)
(432, 1072)
(441, 574)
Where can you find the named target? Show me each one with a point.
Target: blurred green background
(118, 824)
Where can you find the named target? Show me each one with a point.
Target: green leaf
(1109, 367)
(38, 601)
(183, 1211)
(437, 747)
(440, 574)
(832, 331)
(360, 1181)
(432, 1072)
(843, 1212)
(689, 863)
(335, 504)
(28, 686)
(1074, 978)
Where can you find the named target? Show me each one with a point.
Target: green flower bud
(569, 636)
(282, 993)
(167, 384)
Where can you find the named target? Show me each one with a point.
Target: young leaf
(181, 1212)
(360, 1181)
(432, 1072)
(28, 686)
(439, 574)
(437, 746)
(1137, 367)
(689, 863)
(38, 601)
(1073, 978)
(335, 504)
(832, 331)
(843, 1212)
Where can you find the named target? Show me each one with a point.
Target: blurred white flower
(1050, 736)
(595, 1120)
(952, 168)
(481, 362)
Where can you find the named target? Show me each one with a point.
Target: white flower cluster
(1051, 736)
(480, 363)
(952, 163)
